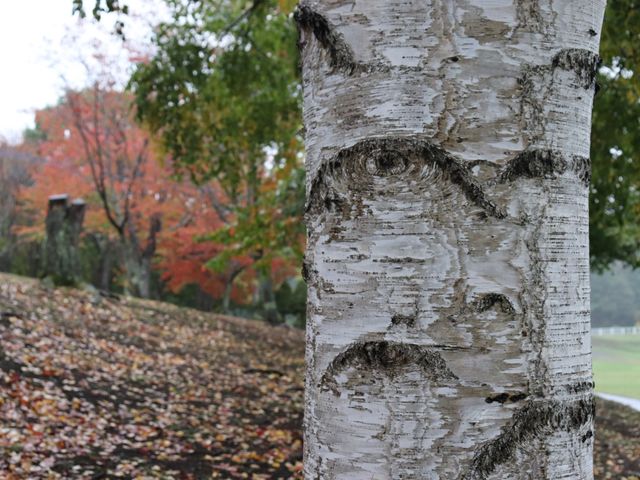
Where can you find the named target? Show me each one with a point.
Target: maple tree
(222, 93)
(14, 174)
(92, 148)
(183, 257)
(140, 217)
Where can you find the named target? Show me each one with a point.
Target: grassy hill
(95, 387)
(616, 364)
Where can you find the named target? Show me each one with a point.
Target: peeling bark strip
(546, 164)
(584, 63)
(392, 156)
(388, 358)
(340, 54)
(534, 420)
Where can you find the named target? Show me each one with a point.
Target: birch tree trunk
(447, 262)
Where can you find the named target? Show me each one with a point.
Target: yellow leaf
(287, 6)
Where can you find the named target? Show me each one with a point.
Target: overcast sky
(43, 48)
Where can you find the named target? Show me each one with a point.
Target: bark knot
(545, 163)
(506, 397)
(392, 156)
(583, 63)
(388, 358)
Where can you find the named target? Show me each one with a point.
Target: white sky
(43, 48)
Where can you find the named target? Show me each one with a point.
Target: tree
(447, 260)
(615, 190)
(222, 94)
(14, 174)
(93, 133)
(184, 257)
(100, 8)
(94, 149)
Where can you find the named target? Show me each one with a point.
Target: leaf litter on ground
(94, 387)
(100, 387)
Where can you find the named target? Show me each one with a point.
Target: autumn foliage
(92, 148)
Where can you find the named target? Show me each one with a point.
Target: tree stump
(63, 228)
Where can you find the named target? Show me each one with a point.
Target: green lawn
(616, 364)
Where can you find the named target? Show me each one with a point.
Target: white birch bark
(448, 268)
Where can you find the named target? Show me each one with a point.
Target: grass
(616, 364)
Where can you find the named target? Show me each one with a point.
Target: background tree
(94, 148)
(184, 256)
(223, 94)
(91, 146)
(93, 131)
(615, 183)
(15, 165)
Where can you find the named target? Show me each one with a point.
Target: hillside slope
(95, 387)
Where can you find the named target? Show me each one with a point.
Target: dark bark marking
(583, 62)
(529, 15)
(388, 358)
(580, 387)
(340, 54)
(532, 421)
(407, 320)
(392, 156)
(541, 163)
(487, 301)
(306, 270)
(506, 397)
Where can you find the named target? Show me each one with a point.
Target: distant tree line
(615, 297)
